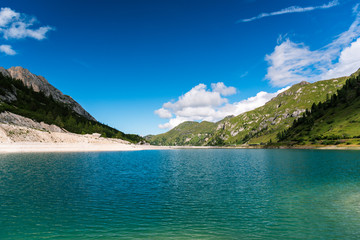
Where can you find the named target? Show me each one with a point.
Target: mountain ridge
(257, 126)
(331, 122)
(40, 84)
(32, 97)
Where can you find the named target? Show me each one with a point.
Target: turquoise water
(181, 194)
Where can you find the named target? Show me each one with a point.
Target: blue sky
(131, 62)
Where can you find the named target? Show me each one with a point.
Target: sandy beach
(29, 147)
(73, 147)
(41, 137)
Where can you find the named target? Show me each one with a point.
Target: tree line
(39, 107)
(344, 96)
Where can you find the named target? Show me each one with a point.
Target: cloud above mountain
(7, 49)
(292, 62)
(208, 104)
(15, 25)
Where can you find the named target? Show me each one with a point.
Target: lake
(181, 194)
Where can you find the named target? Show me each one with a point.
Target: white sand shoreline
(38, 147)
(26, 147)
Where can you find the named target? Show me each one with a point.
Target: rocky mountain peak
(4, 72)
(31, 80)
(40, 84)
(303, 83)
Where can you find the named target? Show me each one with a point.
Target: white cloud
(288, 63)
(20, 30)
(294, 62)
(198, 96)
(7, 50)
(348, 63)
(222, 89)
(163, 113)
(7, 15)
(355, 8)
(203, 104)
(292, 9)
(173, 123)
(14, 25)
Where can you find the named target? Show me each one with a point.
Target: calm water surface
(181, 194)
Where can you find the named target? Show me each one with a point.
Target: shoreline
(37, 147)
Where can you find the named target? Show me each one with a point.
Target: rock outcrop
(15, 128)
(40, 84)
(17, 120)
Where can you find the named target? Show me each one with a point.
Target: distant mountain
(258, 126)
(32, 97)
(187, 133)
(40, 84)
(333, 121)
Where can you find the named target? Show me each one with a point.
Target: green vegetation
(262, 125)
(331, 122)
(187, 133)
(256, 127)
(37, 106)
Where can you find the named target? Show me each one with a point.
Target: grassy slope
(262, 124)
(338, 121)
(256, 126)
(187, 133)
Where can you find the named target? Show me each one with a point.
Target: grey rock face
(304, 83)
(40, 84)
(8, 97)
(17, 120)
(4, 72)
(297, 113)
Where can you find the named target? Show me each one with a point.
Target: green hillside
(335, 121)
(187, 133)
(262, 124)
(15, 97)
(257, 126)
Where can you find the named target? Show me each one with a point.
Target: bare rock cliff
(17, 120)
(40, 84)
(18, 129)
